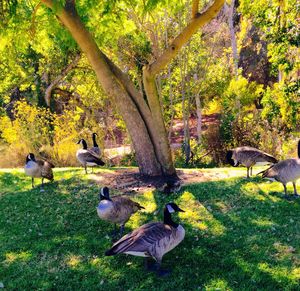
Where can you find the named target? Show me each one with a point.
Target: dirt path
(130, 181)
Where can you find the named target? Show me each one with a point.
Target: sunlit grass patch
(198, 216)
(12, 257)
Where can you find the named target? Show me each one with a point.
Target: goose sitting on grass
(38, 169)
(87, 157)
(248, 157)
(152, 240)
(117, 210)
(285, 171)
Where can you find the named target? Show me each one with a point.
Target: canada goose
(116, 209)
(170, 187)
(248, 157)
(285, 171)
(153, 239)
(38, 169)
(95, 147)
(87, 157)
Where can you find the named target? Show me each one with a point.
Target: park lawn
(240, 235)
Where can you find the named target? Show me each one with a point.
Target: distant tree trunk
(233, 37)
(144, 120)
(199, 117)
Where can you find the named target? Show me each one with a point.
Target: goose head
(230, 160)
(30, 157)
(104, 194)
(83, 143)
(173, 207)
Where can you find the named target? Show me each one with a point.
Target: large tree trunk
(144, 120)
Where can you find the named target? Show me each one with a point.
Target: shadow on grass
(237, 237)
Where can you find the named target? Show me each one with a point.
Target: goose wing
(142, 239)
(124, 202)
(95, 150)
(253, 154)
(89, 157)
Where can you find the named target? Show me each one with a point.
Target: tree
(142, 114)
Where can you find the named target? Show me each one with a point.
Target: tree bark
(233, 38)
(199, 117)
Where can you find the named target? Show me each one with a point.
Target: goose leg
(32, 182)
(285, 192)
(247, 172)
(42, 188)
(295, 190)
(251, 171)
(159, 271)
(85, 169)
(122, 230)
(149, 264)
(92, 170)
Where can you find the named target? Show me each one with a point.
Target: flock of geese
(155, 239)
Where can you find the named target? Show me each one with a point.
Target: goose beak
(180, 210)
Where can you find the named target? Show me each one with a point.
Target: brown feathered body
(285, 171)
(117, 209)
(150, 240)
(39, 169)
(249, 156)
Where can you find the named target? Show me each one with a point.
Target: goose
(117, 210)
(153, 239)
(87, 157)
(95, 148)
(38, 169)
(248, 156)
(170, 187)
(285, 171)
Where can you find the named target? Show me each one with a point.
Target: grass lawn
(240, 235)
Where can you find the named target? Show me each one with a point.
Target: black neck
(168, 219)
(84, 144)
(104, 198)
(94, 141)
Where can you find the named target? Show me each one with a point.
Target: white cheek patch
(101, 192)
(170, 209)
(235, 162)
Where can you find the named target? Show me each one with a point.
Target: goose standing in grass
(248, 157)
(87, 157)
(38, 169)
(116, 210)
(95, 148)
(285, 171)
(153, 239)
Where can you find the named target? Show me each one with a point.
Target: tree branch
(195, 8)
(184, 37)
(56, 81)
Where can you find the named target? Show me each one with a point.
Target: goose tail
(121, 245)
(100, 162)
(271, 159)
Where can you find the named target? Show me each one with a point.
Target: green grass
(240, 235)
